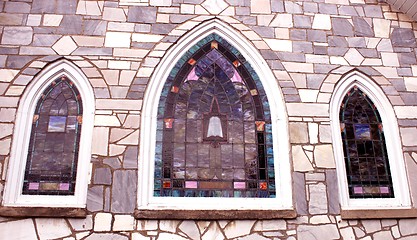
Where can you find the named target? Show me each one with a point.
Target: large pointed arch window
(214, 135)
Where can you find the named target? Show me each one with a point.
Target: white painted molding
(21, 137)
(279, 118)
(392, 141)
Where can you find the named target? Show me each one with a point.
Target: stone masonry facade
(308, 44)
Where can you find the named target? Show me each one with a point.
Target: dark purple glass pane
(53, 148)
(364, 148)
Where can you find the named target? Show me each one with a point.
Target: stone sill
(378, 213)
(42, 212)
(214, 214)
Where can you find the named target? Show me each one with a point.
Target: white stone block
(308, 109)
(260, 6)
(114, 14)
(52, 20)
(381, 27)
(5, 130)
(390, 59)
(123, 223)
(18, 230)
(313, 132)
(119, 104)
(89, 41)
(214, 6)
(323, 156)
(160, 3)
(65, 46)
(322, 21)
(238, 228)
(282, 20)
(113, 64)
(100, 141)
(143, 37)
(106, 121)
(117, 39)
(299, 67)
(409, 136)
(279, 45)
(102, 222)
(308, 95)
(7, 75)
(354, 57)
(88, 8)
(411, 84)
(5, 146)
(301, 163)
(52, 228)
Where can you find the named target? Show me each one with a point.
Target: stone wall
(309, 45)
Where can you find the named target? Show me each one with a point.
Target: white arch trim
(21, 137)
(392, 140)
(146, 200)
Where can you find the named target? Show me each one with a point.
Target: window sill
(42, 212)
(378, 213)
(214, 214)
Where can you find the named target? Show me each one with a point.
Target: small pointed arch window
(214, 135)
(364, 147)
(51, 149)
(51, 166)
(367, 148)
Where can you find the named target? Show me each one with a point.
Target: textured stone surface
(124, 191)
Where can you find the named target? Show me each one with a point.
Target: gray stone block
(332, 191)
(176, 18)
(17, 7)
(327, 8)
(66, 7)
(409, 98)
(336, 41)
(357, 42)
(316, 36)
(160, 28)
(130, 159)
(406, 59)
(124, 186)
(95, 199)
(101, 92)
(323, 68)
(314, 81)
(398, 84)
(342, 27)
(18, 61)
(404, 72)
(298, 34)
(362, 27)
(337, 51)
(403, 37)
(248, 20)
(302, 21)
(373, 11)
(269, 55)
(243, 11)
(44, 40)
(291, 57)
(94, 27)
(347, 10)
(265, 32)
(302, 47)
(102, 176)
(311, 7)
(142, 14)
(368, 52)
(112, 162)
(11, 19)
(43, 6)
(70, 24)
(277, 6)
(293, 7)
(17, 35)
(300, 193)
(320, 50)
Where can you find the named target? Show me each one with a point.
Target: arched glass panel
(53, 149)
(365, 153)
(214, 135)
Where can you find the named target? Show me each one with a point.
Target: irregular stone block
(300, 193)
(342, 27)
(52, 228)
(403, 37)
(17, 35)
(124, 191)
(328, 231)
(95, 199)
(142, 14)
(102, 176)
(318, 199)
(20, 229)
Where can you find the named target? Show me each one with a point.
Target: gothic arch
(149, 118)
(13, 190)
(392, 139)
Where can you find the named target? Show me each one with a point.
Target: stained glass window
(365, 153)
(53, 148)
(214, 134)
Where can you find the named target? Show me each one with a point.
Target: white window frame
(13, 196)
(146, 200)
(392, 141)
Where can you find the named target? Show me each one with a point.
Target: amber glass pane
(214, 127)
(53, 149)
(364, 148)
